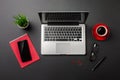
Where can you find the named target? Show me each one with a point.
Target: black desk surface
(60, 67)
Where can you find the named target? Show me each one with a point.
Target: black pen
(98, 63)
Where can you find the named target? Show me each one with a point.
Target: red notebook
(34, 54)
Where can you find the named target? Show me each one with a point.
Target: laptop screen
(60, 16)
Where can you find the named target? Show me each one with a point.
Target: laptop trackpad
(63, 48)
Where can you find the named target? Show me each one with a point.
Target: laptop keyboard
(65, 33)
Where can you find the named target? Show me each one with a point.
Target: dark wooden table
(60, 67)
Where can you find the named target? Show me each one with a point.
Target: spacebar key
(61, 39)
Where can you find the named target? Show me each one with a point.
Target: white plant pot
(24, 27)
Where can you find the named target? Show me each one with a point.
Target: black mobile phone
(24, 50)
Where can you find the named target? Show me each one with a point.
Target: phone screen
(24, 51)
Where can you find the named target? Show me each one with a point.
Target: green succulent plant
(21, 20)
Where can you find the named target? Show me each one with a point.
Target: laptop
(63, 32)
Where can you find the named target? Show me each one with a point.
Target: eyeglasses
(93, 52)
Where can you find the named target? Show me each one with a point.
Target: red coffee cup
(100, 31)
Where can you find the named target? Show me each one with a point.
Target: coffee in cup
(100, 31)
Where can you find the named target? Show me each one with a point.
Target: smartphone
(24, 51)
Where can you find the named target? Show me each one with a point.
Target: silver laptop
(63, 33)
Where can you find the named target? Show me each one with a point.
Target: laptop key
(61, 39)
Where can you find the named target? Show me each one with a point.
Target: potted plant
(21, 21)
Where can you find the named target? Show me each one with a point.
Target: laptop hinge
(63, 23)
